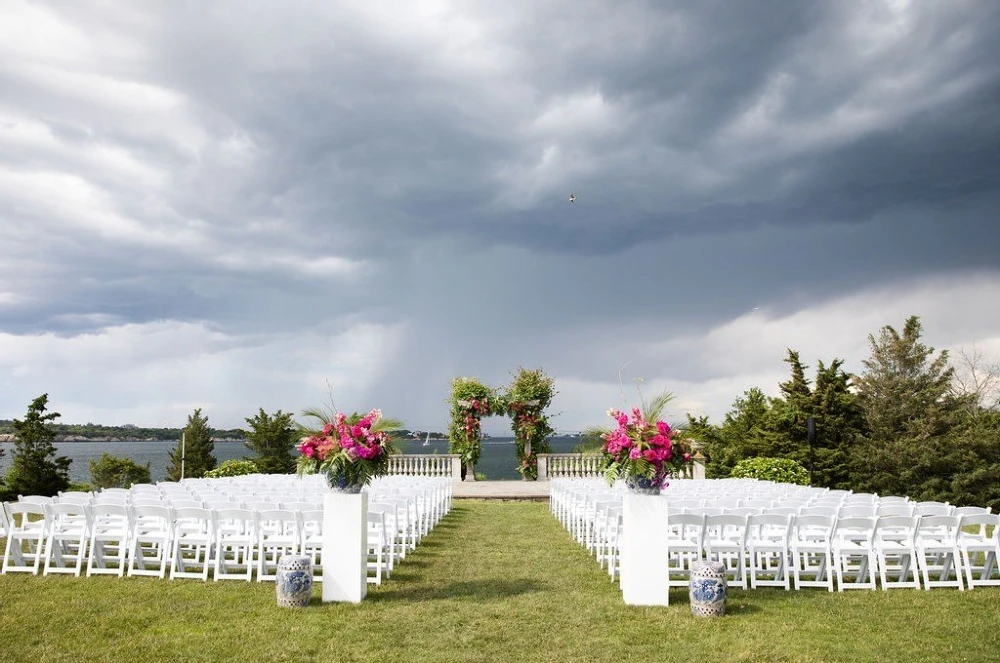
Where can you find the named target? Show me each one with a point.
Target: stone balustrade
(578, 465)
(427, 465)
(568, 465)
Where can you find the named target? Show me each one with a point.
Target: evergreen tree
(786, 429)
(741, 435)
(840, 426)
(35, 469)
(196, 446)
(273, 440)
(905, 395)
(837, 415)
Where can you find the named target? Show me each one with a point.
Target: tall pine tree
(272, 439)
(35, 469)
(741, 435)
(196, 447)
(905, 394)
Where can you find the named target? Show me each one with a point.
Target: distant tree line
(909, 424)
(125, 432)
(37, 470)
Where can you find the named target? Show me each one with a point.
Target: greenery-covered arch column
(470, 401)
(524, 401)
(527, 399)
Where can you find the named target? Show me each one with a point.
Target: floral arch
(524, 401)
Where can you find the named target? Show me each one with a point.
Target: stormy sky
(240, 204)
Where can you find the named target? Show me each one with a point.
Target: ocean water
(497, 461)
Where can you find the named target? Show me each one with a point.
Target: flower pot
(338, 483)
(642, 485)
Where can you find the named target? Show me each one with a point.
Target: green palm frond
(654, 409)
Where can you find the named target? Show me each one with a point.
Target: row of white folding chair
(820, 547)
(145, 539)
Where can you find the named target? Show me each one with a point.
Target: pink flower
(635, 454)
(663, 427)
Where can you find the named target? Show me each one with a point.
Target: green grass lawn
(495, 581)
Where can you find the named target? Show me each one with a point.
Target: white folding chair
(277, 535)
(686, 533)
(68, 529)
(26, 529)
(767, 549)
(109, 538)
(938, 552)
(3, 520)
(149, 541)
(895, 548)
(311, 540)
(36, 499)
(376, 545)
(235, 543)
(934, 509)
(811, 547)
(725, 542)
(979, 542)
(854, 553)
(191, 543)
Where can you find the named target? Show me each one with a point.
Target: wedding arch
(524, 401)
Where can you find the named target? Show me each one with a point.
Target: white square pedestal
(345, 547)
(644, 550)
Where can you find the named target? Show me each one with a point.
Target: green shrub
(113, 472)
(782, 470)
(232, 468)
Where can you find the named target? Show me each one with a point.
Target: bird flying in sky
(572, 197)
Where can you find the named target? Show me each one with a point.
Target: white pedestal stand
(644, 550)
(345, 547)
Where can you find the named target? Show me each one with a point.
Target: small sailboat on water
(427, 440)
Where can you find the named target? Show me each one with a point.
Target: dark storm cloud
(255, 168)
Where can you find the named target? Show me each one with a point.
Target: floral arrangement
(641, 451)
(350, 450)
(470, 401)
(528, 396)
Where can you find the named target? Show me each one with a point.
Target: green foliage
(470, 400)
(905, 391)
(194, 450)
(743, 434)
(527, 398)
(113, 472)
(272, 438)
(913, 419)
(233, 468)
(781, 470)
(35, 469)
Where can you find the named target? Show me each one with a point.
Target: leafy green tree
(113, 472)
(194, 450)
(272, 439)
(35, 469)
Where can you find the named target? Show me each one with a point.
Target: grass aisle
(495, 581)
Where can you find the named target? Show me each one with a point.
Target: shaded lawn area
(495, 581)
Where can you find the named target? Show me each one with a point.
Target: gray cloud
(263, 171)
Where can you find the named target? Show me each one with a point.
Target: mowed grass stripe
(495, 581)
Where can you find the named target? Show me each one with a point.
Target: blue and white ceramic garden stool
(294, 581)
(708, 590)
